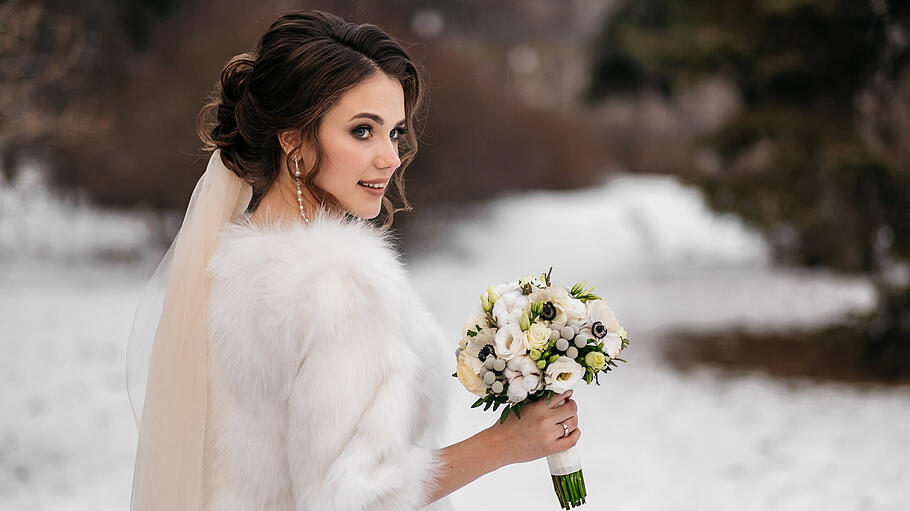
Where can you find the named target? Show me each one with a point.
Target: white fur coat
(326, 372)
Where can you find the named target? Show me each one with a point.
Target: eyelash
(401, 131)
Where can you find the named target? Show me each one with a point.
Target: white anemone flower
(559, 297)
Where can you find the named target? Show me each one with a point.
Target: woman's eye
(362, 132)
(398, 132)
(360, 129)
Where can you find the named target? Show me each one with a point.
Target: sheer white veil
(166, 362)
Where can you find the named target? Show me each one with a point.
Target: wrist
(492, 443)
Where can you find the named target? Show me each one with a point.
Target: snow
(652, 438)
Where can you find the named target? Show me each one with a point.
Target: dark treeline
(816, 156)
(112, 113)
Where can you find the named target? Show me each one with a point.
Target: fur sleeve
(349, 430)
(334, 301)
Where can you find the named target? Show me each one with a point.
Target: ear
(289, 139)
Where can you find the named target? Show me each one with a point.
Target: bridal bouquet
(530, 340)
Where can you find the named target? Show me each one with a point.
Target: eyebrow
(373, 117)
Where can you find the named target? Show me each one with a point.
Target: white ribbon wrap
(565, 462)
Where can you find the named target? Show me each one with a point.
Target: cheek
(345, 161)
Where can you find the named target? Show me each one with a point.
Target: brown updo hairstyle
(302, 66)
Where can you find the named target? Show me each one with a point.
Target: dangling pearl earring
(299, 192)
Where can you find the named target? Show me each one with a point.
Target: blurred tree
(817, 156)
(152, 63)
(39, 51)
(54, 56)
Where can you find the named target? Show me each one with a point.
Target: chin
(366, 211)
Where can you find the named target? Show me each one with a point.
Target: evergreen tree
(818, 157)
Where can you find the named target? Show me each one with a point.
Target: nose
(388, 156)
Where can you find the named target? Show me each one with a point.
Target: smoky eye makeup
(361, 132)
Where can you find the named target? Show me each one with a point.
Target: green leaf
(455, 374)
(505, 414)
(488, 405)
(517, 410)
(478, 402)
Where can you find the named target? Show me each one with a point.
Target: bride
(280, 358)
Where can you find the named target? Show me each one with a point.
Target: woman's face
(359, 137)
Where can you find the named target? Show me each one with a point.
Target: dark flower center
(549, 311)
(486, 351)
(599, 330)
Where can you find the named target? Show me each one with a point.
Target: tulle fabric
(166, 366)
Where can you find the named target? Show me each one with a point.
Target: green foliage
(816, 158)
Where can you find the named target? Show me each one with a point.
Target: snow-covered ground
(652, 438)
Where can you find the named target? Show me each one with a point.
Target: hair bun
(217, 124)
(235, 76)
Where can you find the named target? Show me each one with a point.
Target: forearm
(466, 461)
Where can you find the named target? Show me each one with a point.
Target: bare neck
(279, 204)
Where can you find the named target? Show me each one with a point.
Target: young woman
(290, 365)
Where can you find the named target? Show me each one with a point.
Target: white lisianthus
(510, 341)
(469, 378)
(559, 297)
(509, 307)
(538, 336)
(562, 374)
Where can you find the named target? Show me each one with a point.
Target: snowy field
(652, 438)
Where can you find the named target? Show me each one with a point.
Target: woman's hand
(539, 432)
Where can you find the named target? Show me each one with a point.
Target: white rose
(538, 336)
(562, 374)
(510, 342)
(509, 307)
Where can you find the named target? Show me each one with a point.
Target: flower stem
(570, 489)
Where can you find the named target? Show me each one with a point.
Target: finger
(569, 409)
(564, 443)
(571, 425)
(559, 399)
(572, 422)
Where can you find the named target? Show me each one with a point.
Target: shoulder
(290, 275)
(328, 246)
